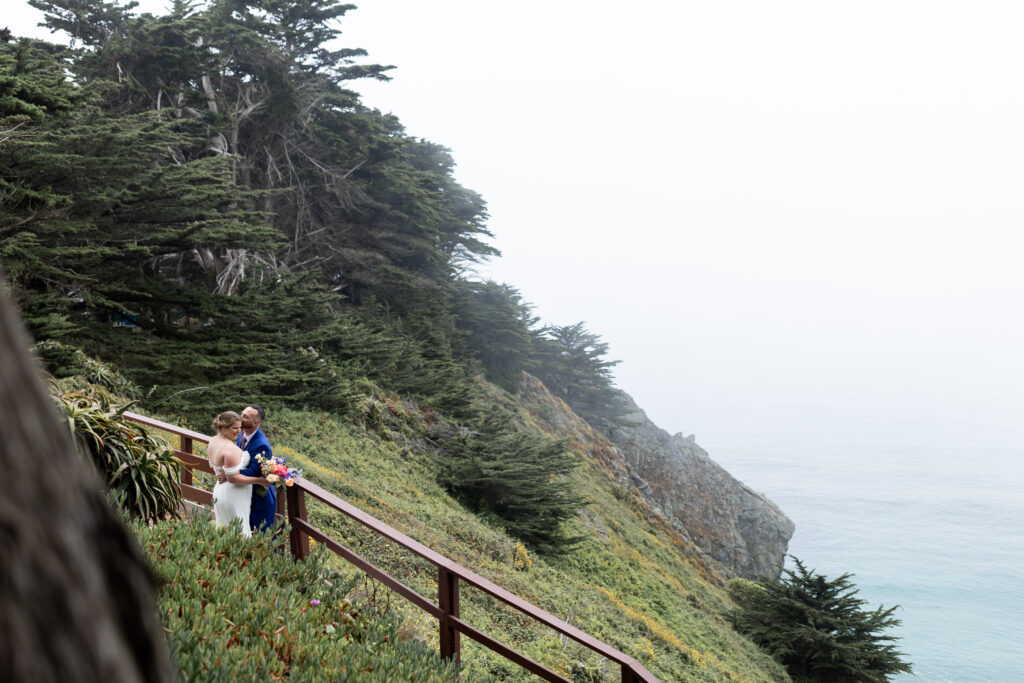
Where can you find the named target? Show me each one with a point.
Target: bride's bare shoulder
(216, 446)
(223, 451)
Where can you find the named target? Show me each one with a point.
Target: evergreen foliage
(818, 628)
(220, 152)
(496, 324)
(32, 83)
(521, 478)
(571, 363)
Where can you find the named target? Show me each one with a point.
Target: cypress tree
(373, 214)
(819, 629)
(495, 323)
(571, 363)
(520, 478)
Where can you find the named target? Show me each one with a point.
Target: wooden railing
(449, 574)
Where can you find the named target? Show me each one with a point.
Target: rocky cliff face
(729, 522)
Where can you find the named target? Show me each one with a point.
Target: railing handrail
(632, 670)
(167, 427)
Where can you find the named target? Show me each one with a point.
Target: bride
(231, 499)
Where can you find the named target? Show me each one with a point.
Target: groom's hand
(221, 477)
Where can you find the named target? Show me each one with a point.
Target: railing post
(297, 538)
(448, 601)
(186, 471)
(628, 675)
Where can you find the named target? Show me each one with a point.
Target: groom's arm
(260, 447)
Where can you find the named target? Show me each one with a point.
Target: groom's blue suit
(261, 512)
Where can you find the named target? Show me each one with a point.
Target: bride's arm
(242, 480)
(233, 459)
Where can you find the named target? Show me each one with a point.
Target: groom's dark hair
(259, 411)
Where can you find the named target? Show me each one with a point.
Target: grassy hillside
(631, 582)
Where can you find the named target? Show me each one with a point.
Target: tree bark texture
(76, 599)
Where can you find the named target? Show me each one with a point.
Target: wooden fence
(449, 574)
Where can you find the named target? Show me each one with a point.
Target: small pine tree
(521, 478)
(817, 628)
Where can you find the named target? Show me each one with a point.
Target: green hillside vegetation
(631, 581)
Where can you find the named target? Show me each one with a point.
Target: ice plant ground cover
(241, 609)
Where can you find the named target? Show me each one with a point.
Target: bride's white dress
(231, 501)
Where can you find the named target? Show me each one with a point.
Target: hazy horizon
(754, 205)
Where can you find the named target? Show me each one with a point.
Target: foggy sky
(798, 203)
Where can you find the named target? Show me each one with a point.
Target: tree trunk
(75, 596)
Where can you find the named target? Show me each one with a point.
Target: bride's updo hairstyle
(225, 419)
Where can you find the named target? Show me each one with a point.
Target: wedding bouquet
(277, 472)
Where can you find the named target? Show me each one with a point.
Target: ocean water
(926, 513)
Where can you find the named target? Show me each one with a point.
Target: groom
(252, 440)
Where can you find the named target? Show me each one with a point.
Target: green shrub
(744, 592)
(242, 609)
(582, 673)
(136, 466)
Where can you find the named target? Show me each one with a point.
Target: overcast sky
(795, 203)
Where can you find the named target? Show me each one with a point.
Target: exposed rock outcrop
(729, 522)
